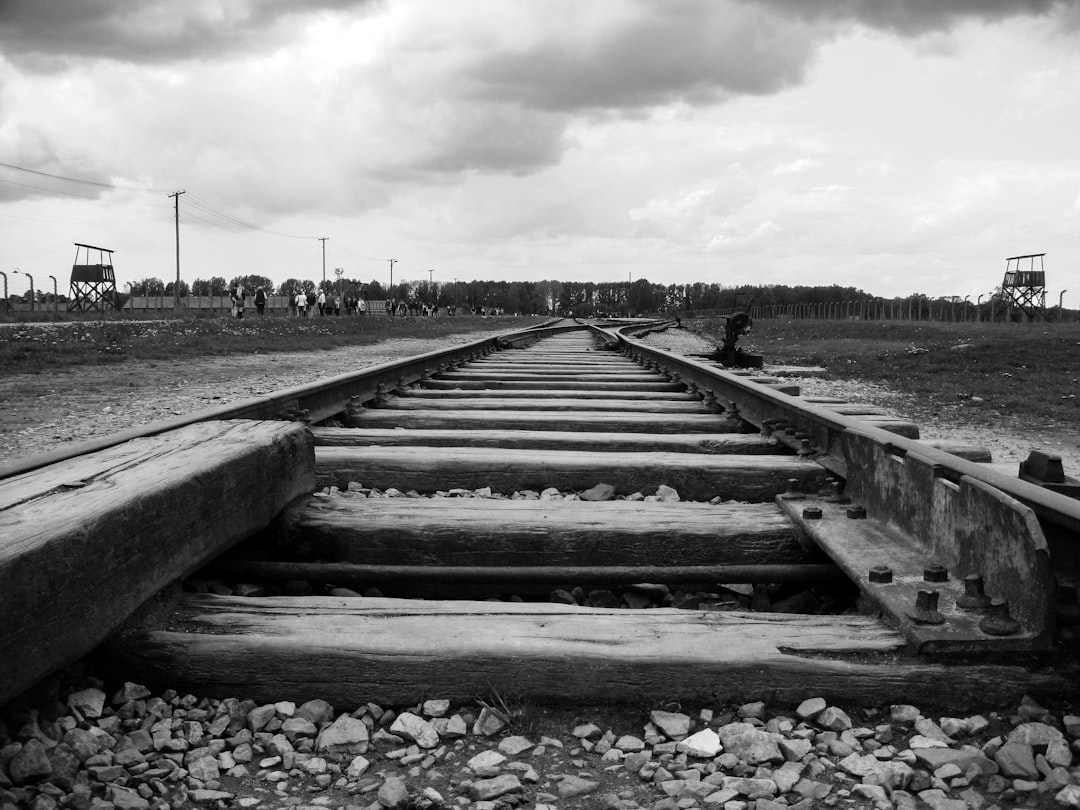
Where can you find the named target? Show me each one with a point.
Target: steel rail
(310, 402)
(793, 421)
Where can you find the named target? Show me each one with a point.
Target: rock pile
(137, 751)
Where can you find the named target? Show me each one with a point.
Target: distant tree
(184, 290)
(148, 286)
(642, 298)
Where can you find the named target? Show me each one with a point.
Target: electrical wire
(80, 181)
(233, 222)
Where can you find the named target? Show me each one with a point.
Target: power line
(79, 180)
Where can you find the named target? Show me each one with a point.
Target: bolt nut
(856, 512)
(998, 622)
(804, 448)
(836, 495)
(881, 574)
(812, 513)
(974, 597)
(793, 493)
(925, 610)
(936, 572)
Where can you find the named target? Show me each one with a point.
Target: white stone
(811, 708)
(512, 746)
(357, 768)
(415, 728)
(705, 744)
(919, 741)
(347, 734)
(436, 708)
(673, 724)
(486, 764)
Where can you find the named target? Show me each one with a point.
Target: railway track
(564, 513)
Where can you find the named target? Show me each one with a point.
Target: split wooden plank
(468, 531)
(86, 542)
(434, 418)
(695, 477)
(349, 651)
(723, 443)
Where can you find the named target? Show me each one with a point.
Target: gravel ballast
(90, 748)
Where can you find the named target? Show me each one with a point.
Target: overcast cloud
(898, 147)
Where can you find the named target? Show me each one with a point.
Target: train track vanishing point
(721, 533)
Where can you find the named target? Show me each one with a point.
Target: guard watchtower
(93, 286)
(1024, 289)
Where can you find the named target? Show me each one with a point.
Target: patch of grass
(38, 347)
(1022, 370)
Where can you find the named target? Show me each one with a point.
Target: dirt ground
(39, 412)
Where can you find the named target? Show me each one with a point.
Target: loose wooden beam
(89, 540)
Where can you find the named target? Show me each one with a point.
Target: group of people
(238, 295)
(304, 304)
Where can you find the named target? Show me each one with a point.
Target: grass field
(39, 347)
(1017, 370)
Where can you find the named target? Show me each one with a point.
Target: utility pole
(392, 263)
(323, 240)
(176, 288)
(430, 277)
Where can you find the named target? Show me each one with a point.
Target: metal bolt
(881, 574)
(812, 513)
(999, 622)
(974, 597)
(793, 493)
(767, 426)
(804, 448)
(856, 512)
(925, 610)
(837, 494)
(935, 572)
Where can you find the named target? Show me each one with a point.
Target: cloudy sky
(902, 146)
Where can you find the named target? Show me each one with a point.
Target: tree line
(568, 298)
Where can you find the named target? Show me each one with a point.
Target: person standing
(260, 301)
(301, 304)
(241, 294)
(321, 301)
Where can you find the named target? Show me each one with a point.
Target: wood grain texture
(548, 420)
(465, 531)
(576, 404)
(715, 443)
(695, 477)
(349, 651)
(87, 541)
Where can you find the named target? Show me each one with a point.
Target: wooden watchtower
(1024, 290)
(93, 286)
